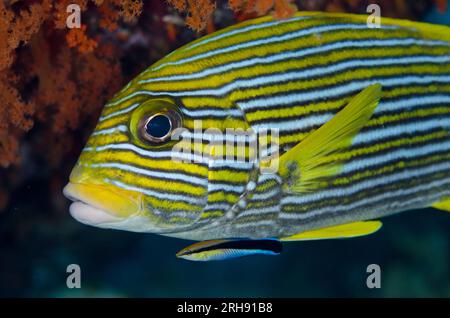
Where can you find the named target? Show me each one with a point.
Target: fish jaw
(89, 215)
(101, 205)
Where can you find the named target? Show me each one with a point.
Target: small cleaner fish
(359, 122)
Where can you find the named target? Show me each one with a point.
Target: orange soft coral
(15, 29)
(199, 12)
(109, 16)
(109, 12)
(36, 27)
(279, 8)
(130, 9)
(77, 38)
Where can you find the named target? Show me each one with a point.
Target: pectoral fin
(443, 205)
(217, 250)
(340, 231)
(304, 166)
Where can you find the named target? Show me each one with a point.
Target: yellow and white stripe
(293, 75)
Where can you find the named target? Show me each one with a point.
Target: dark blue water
(434, 16)
(412, 249)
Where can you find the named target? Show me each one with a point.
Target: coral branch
(78, 38)
(199, 12)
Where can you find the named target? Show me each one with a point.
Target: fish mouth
(100, 205)
(90, 215)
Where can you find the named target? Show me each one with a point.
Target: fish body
(218, 250)
(294, 76)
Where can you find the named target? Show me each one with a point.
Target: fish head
(144, 170)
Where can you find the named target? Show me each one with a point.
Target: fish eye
(154, 122)
(157, 128)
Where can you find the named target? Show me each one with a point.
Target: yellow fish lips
(101, 204)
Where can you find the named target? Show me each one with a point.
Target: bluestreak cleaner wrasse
(217, 250)
(359, 122)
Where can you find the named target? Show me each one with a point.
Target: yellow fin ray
(443, 205)
(348, 230)
(304, 164)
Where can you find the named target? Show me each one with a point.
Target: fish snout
(96, 203)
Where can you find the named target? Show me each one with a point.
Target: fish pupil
(158, 126)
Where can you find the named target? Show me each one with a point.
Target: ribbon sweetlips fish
(363, 122)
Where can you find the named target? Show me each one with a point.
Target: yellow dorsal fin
(443, 205)
(348, 230)
(304, 165)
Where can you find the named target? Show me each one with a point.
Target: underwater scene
(214, 148)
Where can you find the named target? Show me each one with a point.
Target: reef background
(53, 84)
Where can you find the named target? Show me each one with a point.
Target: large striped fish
(359, 116)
